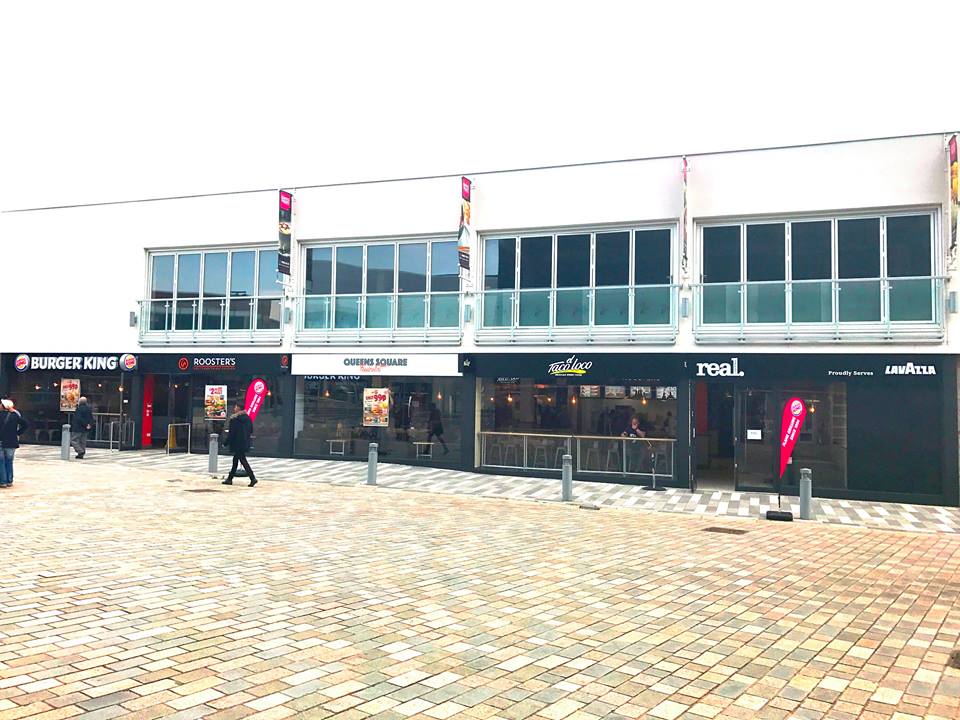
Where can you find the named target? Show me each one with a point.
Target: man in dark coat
(12, 426)
(238, 440)
(80, 427)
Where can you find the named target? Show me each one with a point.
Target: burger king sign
(126, 362)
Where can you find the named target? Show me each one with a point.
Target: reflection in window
(858, 256)
(811, 258)
(766, 262)
(909, 257)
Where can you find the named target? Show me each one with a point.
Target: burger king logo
(183, 363)
(796, 408)
(22, 362)
(258, 386)
(128, 362)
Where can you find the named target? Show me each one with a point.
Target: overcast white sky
(119, 100)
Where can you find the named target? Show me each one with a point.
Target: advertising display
(463, 236)
(69, 394)
(215, 402)
(286, 232)
(954, 196)
(376, 407)
(793, 414)
(256, 392)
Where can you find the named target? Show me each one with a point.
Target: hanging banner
(215, 402)
(793, 414)
(463, 236)
(376, 407)
(69, 394)
(286, 221)
(684, 169)
(256, 392)
(954, 198)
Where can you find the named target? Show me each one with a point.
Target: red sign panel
(146, 422)
(793, 414)
(256, 392)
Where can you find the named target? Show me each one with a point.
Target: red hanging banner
(255, 394)
(793, 414)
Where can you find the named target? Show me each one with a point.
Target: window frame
(744, 327)
(591, 288)
(305, 333)
(197, 309)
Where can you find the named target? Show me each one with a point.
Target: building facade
(651, 318)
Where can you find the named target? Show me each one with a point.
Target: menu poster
(69, 394)
(463, 235)
(590, 391)
(215, 402)
(376, 407)
(614, 391)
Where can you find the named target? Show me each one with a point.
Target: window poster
(376, 407)
(69, 394)
(215, 402)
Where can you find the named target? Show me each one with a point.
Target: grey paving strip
(889, 516)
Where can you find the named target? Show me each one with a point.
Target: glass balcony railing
(621, 312)
(222, 319)
(853, 308)
(418, 317)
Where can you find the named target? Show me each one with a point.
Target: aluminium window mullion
(788, 273)
(743, 275)
(552, 294)
(515, 305)
(395, 296)
(884, 281)
(834, 271)
(592, 282)
(631, 274)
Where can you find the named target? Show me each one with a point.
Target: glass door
(756, 438)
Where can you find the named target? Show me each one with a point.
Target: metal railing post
(372, 464)
(214, 454)
(806, 492)
(65, 443)
(566, 478)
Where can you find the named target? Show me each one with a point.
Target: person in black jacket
(80, 427)
(238, 440)
(12, 426)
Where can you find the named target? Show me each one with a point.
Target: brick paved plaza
(147, 593)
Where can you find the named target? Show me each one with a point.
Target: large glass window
(721, 274)
(214, 290)
(810, 249)
(499, 279)
(848, 270)
(574, 279)
(424, 424)
(381, 286)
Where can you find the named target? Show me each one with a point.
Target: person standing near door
(80, 427)
(12, 426)
(238, 440)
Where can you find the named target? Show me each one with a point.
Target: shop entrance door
(714, 438)
(757, 434)
(171, 407)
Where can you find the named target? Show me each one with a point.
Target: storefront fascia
(181, 398)
(879, 427)
(424, 417)
(47, 386)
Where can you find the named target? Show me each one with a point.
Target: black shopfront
(877, 427)
(46, 387)
(174, 413)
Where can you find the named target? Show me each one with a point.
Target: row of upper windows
(776, 252)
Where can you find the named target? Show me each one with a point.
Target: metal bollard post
(65, 443)
(806, 492)
(566, 479)
(372, 465)
(214, 453)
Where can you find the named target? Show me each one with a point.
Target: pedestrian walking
(436, 428)
(239, 431)
(80, 427)
(12, 426)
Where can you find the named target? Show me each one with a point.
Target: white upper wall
(847, 176)
(72, 276)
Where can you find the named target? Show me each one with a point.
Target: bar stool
(494, 447)
(593, 452)
(508, 449)
(612, 452)
(539, 451)
(558, 456)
